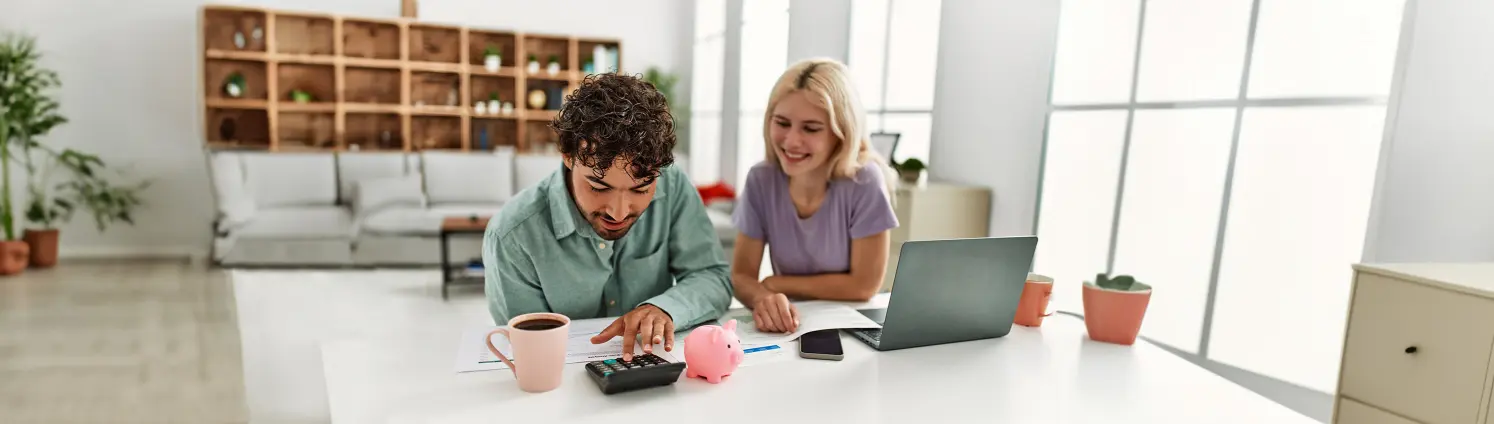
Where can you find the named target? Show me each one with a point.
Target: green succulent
(554, 59)
(1119, 283)
(492, 51)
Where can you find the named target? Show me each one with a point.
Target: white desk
(1053, 374)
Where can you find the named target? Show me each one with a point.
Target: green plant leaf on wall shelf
(492, 51)
(301, 96)
(554, 59)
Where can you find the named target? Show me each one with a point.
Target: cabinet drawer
(1351, 412)
(1417, 351)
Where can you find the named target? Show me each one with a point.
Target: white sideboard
(933, 211)
(1419, 347)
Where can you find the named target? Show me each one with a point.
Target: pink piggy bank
(713, 352)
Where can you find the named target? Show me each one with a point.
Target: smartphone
(823, 344)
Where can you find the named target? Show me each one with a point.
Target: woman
(819, 199)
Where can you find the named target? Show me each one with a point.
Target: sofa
(365, 209)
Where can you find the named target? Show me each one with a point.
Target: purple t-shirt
(853, 208)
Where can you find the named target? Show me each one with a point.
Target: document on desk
(473, 353)
(813, 316)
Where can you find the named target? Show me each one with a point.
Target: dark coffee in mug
(538, 324)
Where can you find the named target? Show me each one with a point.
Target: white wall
(991, 102)
(819, 28)
(130, 73)
(1436, 196)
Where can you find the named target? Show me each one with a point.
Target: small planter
(43, 245)
(480, 108)
(494, 106)
(14, 255)
(534, 66)
(553, 69)
(1114, 309)
(492, 62)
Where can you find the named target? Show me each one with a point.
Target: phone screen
(825, 342)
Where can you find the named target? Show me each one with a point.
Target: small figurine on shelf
(239, 41)
(480, 108)
(554, 67)
(508, 108)
(534, 65)
(301, 96)
(492, 58)
(234, 86)
(493, 104)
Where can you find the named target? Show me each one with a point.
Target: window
(894, 55)
(705, 93)
(1224, 152)
(764, 56)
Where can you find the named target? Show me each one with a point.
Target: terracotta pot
(13, 257)
(43, 247)
(1113, 316)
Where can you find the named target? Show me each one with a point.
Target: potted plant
(492, 58)
(1114, 308)
(534, 64)
(665, 82)
(84, 186)
(493, 104)
(910, 170)
(234, 86)
(554, 67)
(26, 111)
(301, 96)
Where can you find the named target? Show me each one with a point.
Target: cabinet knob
(1411, 349)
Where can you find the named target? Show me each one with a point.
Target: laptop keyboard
(875, 336)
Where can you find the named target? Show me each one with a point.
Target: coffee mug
(1036, 294)
(538, 341)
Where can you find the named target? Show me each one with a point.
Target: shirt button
(602, 245)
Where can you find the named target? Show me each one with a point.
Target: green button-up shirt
(540, 255)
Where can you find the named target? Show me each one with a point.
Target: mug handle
(1048, 304)
(491, 348)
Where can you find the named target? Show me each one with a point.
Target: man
(616, 231)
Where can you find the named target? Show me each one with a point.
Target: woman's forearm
(747, 289)
(841, 286)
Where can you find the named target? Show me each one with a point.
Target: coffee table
(458, 225)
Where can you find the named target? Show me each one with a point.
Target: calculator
(644, 371)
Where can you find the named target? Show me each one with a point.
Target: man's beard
(611, 235)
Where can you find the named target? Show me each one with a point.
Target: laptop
(948, 291)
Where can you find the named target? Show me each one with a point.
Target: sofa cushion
(291, 179)
(353, 168)
(300, 222)
(404, 220)
(378, 193)
(235, 204)
(529, 170)
(468, 177)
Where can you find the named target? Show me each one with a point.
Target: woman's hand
(772, 312)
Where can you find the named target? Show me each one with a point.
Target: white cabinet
(934, 211)
(1418, 344)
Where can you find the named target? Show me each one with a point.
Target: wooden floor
(120, 342)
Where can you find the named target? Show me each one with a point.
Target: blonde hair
(827, 83)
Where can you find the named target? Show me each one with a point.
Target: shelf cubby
(217, 72)
(538, 137)
(555, 92)
(238, 128)
(479, 40)
(436, 133)
(304, 35)
(222, 28)
(371, 85)
(430, 89)
(370, 39)
(307, 131)
(585, 52)
(543, 47)
(373, 131)
(484, 87)
(491, 131)
(318, 80)
(433, 43)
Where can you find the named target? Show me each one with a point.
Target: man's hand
(773, 312)
(648, 321)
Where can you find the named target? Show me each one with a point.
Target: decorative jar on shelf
(492, 59)
(554, 67)
(480, 108)
(508, 108)
(494, 106)
(534, 65)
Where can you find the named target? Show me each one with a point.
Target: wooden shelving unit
(381, 84)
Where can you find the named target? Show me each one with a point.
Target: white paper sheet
(814, 316)
(473, 353)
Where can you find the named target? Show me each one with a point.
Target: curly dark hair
(614, 116)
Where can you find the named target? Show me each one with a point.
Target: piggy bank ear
(731, 325)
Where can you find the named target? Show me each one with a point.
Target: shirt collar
(564, 218)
